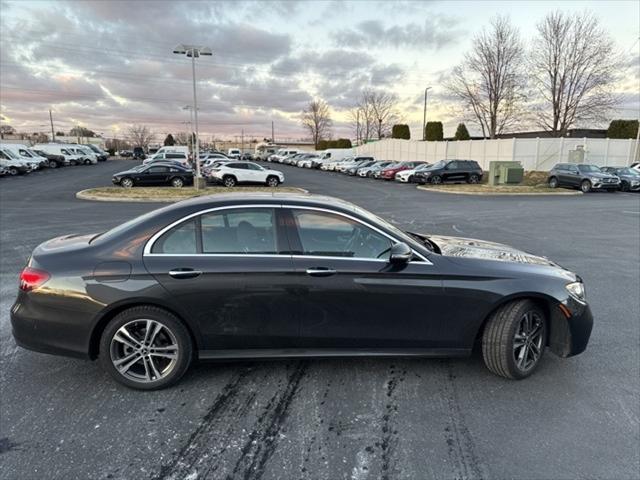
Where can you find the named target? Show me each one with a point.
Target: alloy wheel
(473, 178)
(229, 182)
(177, 182)
(53, 164)
(126, 183)
(528, 341)
(144, 350)
(272, 182)
(13, 171)
(553, 183)
(585, 186)
(436, 180)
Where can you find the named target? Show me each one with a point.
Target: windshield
(9, 153)
(588, 168)
(628, 171)
(439, 164)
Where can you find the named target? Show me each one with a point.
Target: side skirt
(330, 353)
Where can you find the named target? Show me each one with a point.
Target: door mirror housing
(400, 253)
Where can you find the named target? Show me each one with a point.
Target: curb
(84, 195)
(525, 194)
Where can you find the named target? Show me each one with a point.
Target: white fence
(534, 153)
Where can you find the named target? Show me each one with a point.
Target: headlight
(426, 174)
(635, 182)
(576, 289)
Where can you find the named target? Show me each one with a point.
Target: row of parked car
(173, 167)
(18, 159)
(583, 176)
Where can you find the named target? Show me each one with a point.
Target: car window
(181, 239)
(176, 155)
(452, 166)
(253, 166)
(158, 170)
(239, 231)
(332, 235)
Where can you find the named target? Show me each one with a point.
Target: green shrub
(112, 152)
(343, 143)
(322, 145)
(434, 131)
(401, 131)
(462, 133)
(623, 129)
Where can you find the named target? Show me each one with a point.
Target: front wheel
(585, 186)
(473, 178)
(553, 182)
(273, 181)
(436, 180)
(624, 187)
(53, 164)
(87, 162)
(126, 182)
(13, 171)
(146, 348)
(177, 182)
(514, 339)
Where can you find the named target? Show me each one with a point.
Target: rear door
(155, 175)
(231, 269)
(350, 296)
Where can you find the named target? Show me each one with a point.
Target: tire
(229, 181)
(73, 163)
(624, 187)
(154, 369)
(87, 162)
(53, 164)
(505, 326)
(177, 182)
(436, 180)
(13, 171)
(585, 186)
(126, 182)
(273, 181)
(473, 178)
(553, 182)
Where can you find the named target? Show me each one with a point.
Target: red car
(390, 172)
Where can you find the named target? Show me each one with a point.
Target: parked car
(468, 171)
(377, 173)
(13, 164)
(247, 156)
(212, 163)
(214, 277)
(179, 157)
(350, 162)
(585, 177)
(231, 174)
(308, 161)
(66, 150)
(372, 169)
(126, 153)
(408, 176)
(26, 154)
(635, 166)
(101, 154)
(54, 161)
(157, 173)
(89, 158)
(138, 153)
(389, 173)
(353, 170)
(629, 177)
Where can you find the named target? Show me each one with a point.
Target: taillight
(31, 278)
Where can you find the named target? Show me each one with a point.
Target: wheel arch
(106, 316)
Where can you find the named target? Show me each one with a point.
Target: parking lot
(339, 418)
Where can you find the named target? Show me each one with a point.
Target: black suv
(450, 171)
(584, 177)
(629, 177)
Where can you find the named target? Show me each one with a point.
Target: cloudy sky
(106, 65)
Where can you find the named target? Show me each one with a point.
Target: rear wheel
(126, 182)
(146, 348)
(13, 171)
(53, 164)
(514, 339)
(436, 180)
(177, 182)
(585, 186)
(87, 162)
(473, 178)
(553, 182)
(273, 181)
(229, 181)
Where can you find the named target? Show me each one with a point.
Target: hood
(472, 248)
(599, 175)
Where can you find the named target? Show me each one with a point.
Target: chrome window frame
(149, 245)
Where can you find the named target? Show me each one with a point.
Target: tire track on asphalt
(389, 440)
(460, 444)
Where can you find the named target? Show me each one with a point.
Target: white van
(180, 157)
(173, 149)
(26, 153)
(86, 153)
(12, 163)
(234, 153)
(63, 149)
(337, 154)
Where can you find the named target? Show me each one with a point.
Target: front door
(351, 297)
(226, 269)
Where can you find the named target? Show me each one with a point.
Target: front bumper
(571, 325)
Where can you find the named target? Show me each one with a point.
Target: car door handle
(184, 273)
(320, 272)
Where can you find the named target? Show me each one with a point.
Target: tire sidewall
(185, 346)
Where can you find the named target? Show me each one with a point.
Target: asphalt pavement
(339, 418)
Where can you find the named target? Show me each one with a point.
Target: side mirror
(400, 253)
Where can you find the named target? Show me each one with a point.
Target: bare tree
(489, 81)
(317, 120)
(140, 135)
(374, 115)
(572, 67)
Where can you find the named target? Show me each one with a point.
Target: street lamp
(194, 51)
(424, 118)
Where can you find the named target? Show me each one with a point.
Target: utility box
(505, 173)
(577, 155)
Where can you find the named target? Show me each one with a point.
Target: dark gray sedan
(285, 275)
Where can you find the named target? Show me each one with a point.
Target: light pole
(424, 118)
(194, 51)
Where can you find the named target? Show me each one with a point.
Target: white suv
(232, 173)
